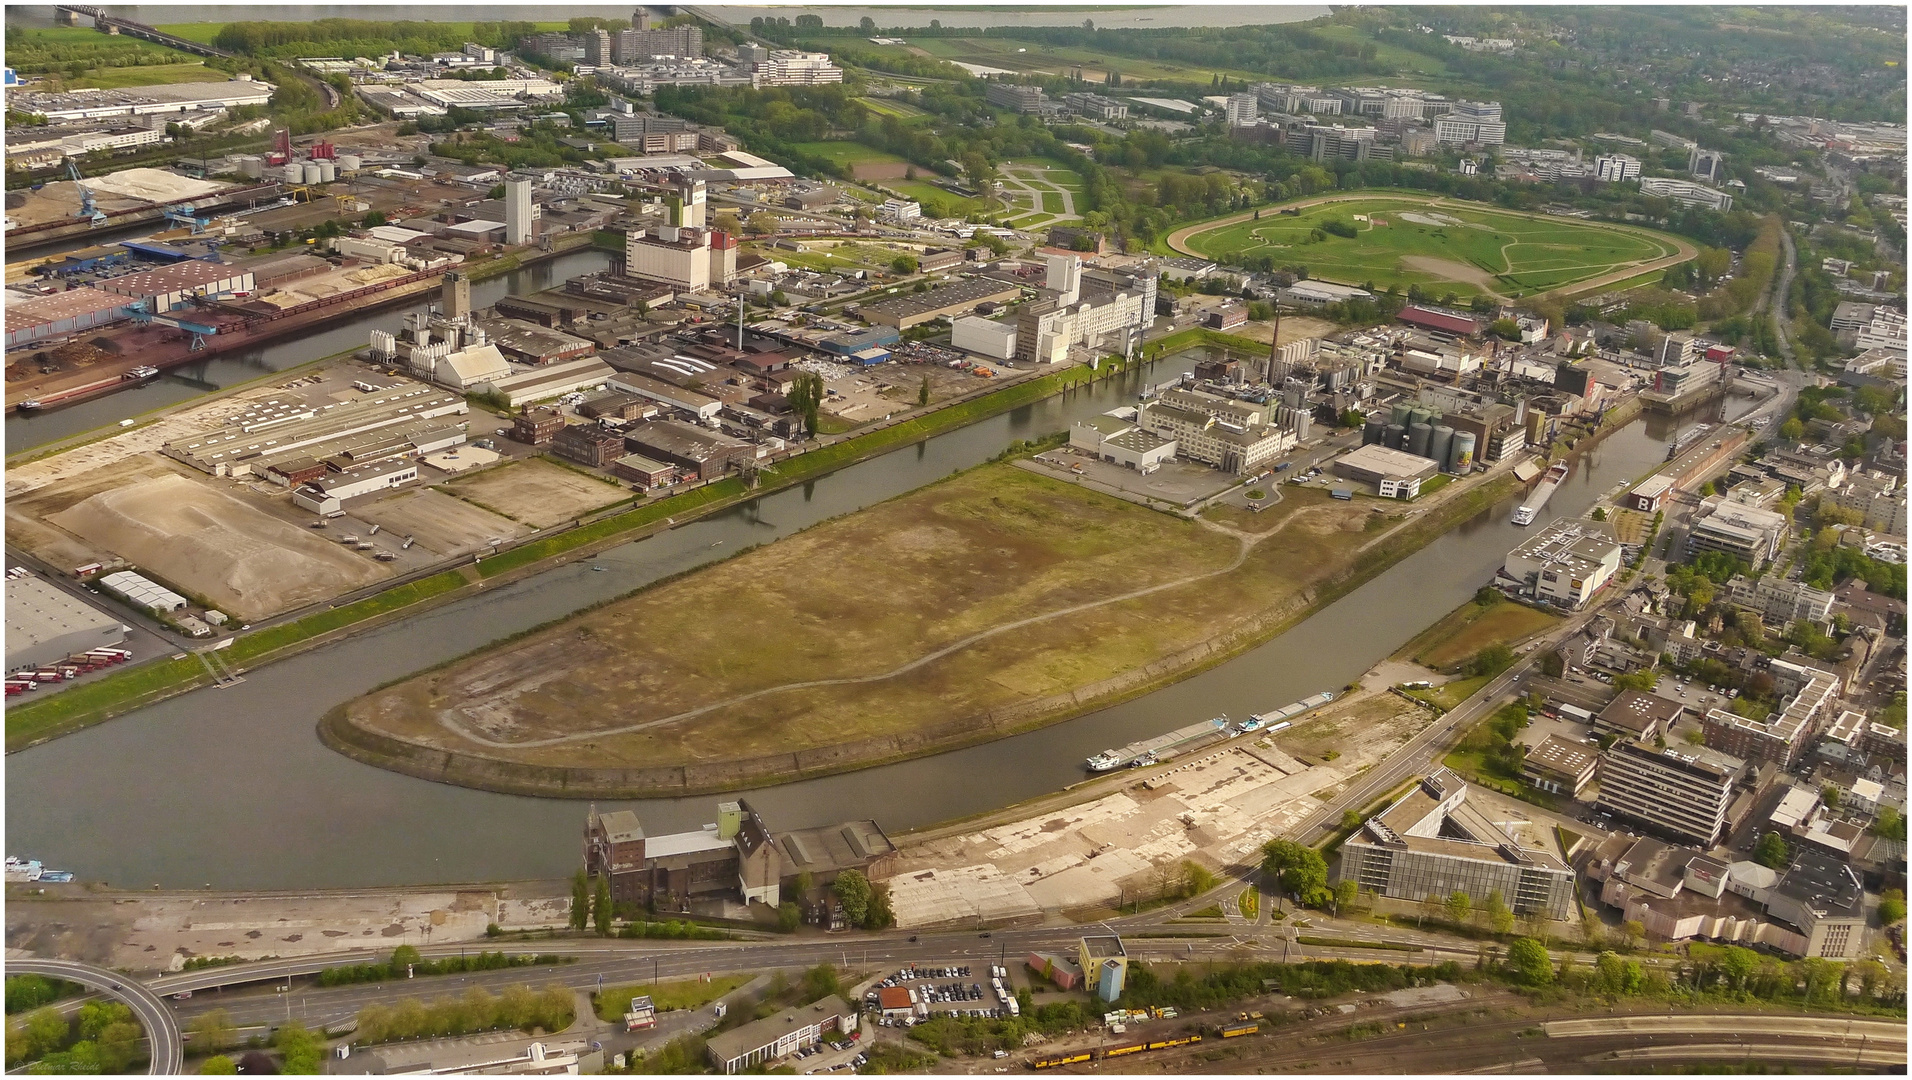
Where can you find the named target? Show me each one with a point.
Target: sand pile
(153, 185)
(208, 543)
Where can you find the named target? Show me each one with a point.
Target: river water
(231, 787)
(180, 384)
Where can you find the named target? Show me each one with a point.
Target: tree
(1739, 963)
(1299, 868)
(1599, 513)
(1635, 930)
(213, 1031)
(922, 392)
(762, 223)
(867, 25)
(1346, 892)
(853, 892)
(1792, 430)
(374, 219)
(580, 900)
(789, 916)
(804, 884)
(1772, 852)
(806, 397)
(1529, 962)
(601, 904)
(1499, 916)
(404, 956)
(1352, 418)
(1552, 665)
(1891, 906)
(218, 1065)
(303, 1050)
(904, 264)
(779, 297)
(1458, 905)
(1506, 329)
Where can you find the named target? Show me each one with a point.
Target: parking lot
(935, 992)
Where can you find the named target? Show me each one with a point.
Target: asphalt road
(168, 1053)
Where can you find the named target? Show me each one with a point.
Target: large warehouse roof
(45, 623)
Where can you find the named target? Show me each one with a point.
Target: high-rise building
(1064, 277)
(1472, 122)
(517, 211)
(1681, 792)
(1708, 165)
(1614, 168)
(599, 47)
(1243, 109)
(643, 44)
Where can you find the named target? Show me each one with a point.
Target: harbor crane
(87, 208)
(199, 331)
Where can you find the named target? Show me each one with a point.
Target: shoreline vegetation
(31, 723)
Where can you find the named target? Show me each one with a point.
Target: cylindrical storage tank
(349, 162)
(251, 167)
(1463, 457)
(1373, 431)
(1441, 444)
(1420, 416)
(1394, 436)
(1399, 414)
(328, 172)
(1418, 436)
(294, 172)
(311, 172)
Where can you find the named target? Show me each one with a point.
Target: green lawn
(886, 107)
(1052, 202)
(1468, 248)
(1405, 59)
(667, 997)
(846, 153)
(953, 205)
(122, 77)
(1448, 695)
(1014, 55)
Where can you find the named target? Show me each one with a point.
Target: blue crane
(199, 331)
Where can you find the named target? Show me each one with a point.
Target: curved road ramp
(168, 1051)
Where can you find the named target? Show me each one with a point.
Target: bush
(1338, 227)
(520, 1007)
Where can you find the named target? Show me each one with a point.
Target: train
(1114, 1051)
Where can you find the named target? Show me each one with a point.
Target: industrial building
(593, 446)
(62, 314)
(1680, 792)
(168, 287)
(142, 592)
(1233, 436)
(273, 429)
(702, 406)
(143, 100)
(737, 857)
(1434, 841)
(700, 452)
(953, 298)
(1121, 442)
(328, 494)
(985, 337)
(781, 1035)
(46, 624)
(1565, 564)
(548, 382)
(1395, 474)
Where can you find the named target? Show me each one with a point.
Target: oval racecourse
(1437, 243)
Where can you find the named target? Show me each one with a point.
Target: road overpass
(168, 1056)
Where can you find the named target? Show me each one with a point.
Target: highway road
(168, 1055)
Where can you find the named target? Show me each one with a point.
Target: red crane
(281, 147)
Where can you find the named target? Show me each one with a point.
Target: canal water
(188, 381)
(230, 787)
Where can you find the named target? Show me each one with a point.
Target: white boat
(1525, 515)
(1106, 760)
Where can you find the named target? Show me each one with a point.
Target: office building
(796, 1028)
(1707, 165)
(1105, 965)
(1243, 109)
(1614, 168)
(1680, 792)
(1096, 106)
(1786, 731)
(794, 67)
(642, 43)
(1686, 192)
(1559, 766)
(1471, 122)
(1747, 533)
(1566, 564)
(1023, 99)
(1442, 837)
(1779, 601)
(899, 211)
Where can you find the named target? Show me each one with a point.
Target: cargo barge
(1537, 502)
(1144, 752)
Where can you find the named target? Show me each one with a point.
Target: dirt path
(1248, 542)
(1178, 240)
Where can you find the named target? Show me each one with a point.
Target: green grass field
(204, 32)
(846, 153)
(1014, 55)
(1468, 248)
(121, 77)
(667, 997)
(1052, 202)
(1471, 628)
(886, 107)
(928, 194)
(1405, 59)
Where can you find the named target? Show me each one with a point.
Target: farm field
(913, 609)
(1467, 248)
(847, 153)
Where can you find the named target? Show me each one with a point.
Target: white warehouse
(986, 337)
